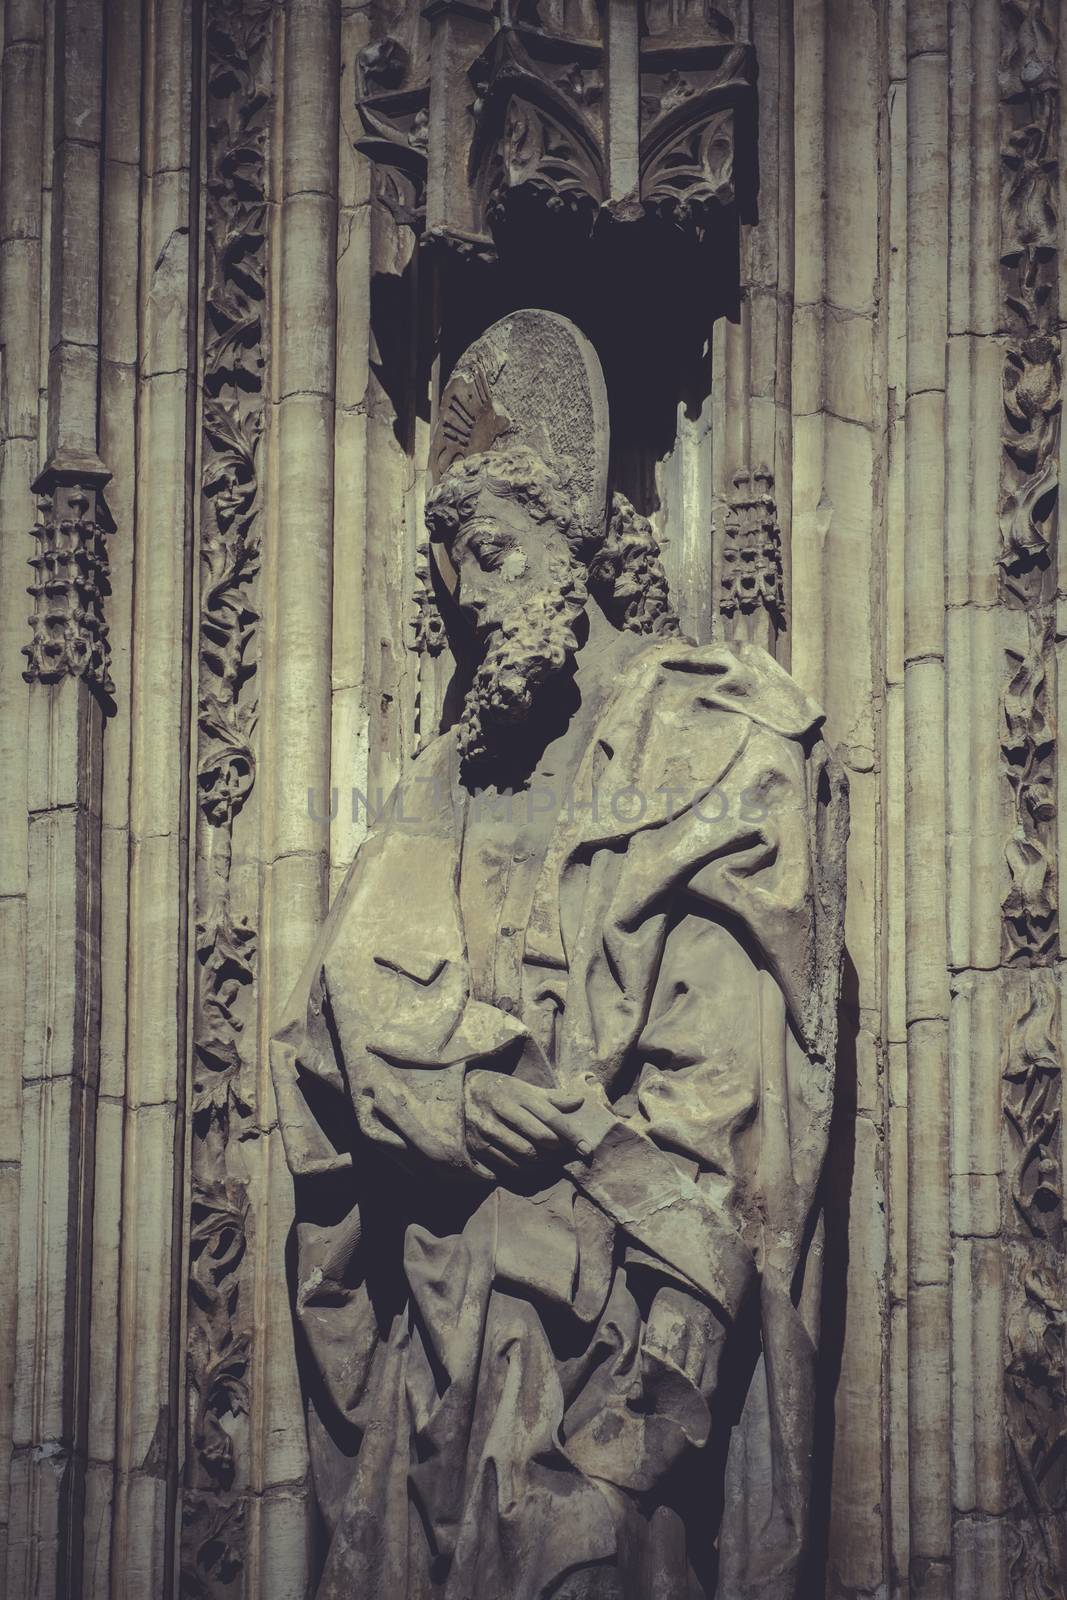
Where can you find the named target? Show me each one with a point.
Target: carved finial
(70, 565)
(752, 552)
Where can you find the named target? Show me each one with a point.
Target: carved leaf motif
(383, 64)
(1027, 743)
(227, 767)
(1024, 522)
(1032, 1105)
(214, 1528)
(225, 1396)
(1036, 1387)
(1035, 1398)
(538, 154)
(1031, 394)
(1036, 1380)
(584, 88)
(1029, 906)
(1029, 754)
(1029, 196)
(219, 1355)
(693, 173)
(427, 622)
(1028, 57)
(239, 110)
(226, 951)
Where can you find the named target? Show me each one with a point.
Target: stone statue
(555, 1087)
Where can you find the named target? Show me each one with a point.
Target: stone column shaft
(70, 687)
(148, 1433)
(621, 28)
(974, 807)
(926, 977)
(295, 756)
(22, 137)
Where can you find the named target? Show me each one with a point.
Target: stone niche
(667, 395)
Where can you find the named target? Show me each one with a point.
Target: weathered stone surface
(506, 1028)
(817, 247)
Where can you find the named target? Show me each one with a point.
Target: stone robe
(597, 1381)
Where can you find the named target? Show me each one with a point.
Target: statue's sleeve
(735, 1057)
(383, 1028)
(698, 1089)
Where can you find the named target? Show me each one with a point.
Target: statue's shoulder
(734, 676)
(425, 782)
(433, 756)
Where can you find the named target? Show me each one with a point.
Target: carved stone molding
(539, 133)
(526, 134)
(70, 635)
(239, 65)
(1035, 1310)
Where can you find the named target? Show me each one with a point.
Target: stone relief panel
(239, 104)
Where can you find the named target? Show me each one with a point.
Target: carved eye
(489, 549)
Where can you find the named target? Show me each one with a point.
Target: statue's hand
(512, 1125)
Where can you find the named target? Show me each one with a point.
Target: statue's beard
(532, 645)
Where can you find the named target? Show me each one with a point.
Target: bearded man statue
(556, 1085)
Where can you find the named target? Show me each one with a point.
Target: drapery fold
(515, 1390)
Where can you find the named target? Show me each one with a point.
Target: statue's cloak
(603, 1387)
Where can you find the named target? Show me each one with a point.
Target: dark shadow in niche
(400, 357)
(646, 293)
(835, 1207)
(462, 647)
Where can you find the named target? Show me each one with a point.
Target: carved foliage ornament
(1028, 751)
(1036, 1331)
(1029, 498)
(1035, 1312)
(238, 111)
(1033, 1100)
(1029, 96)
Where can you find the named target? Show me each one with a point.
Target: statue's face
(503, 560)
